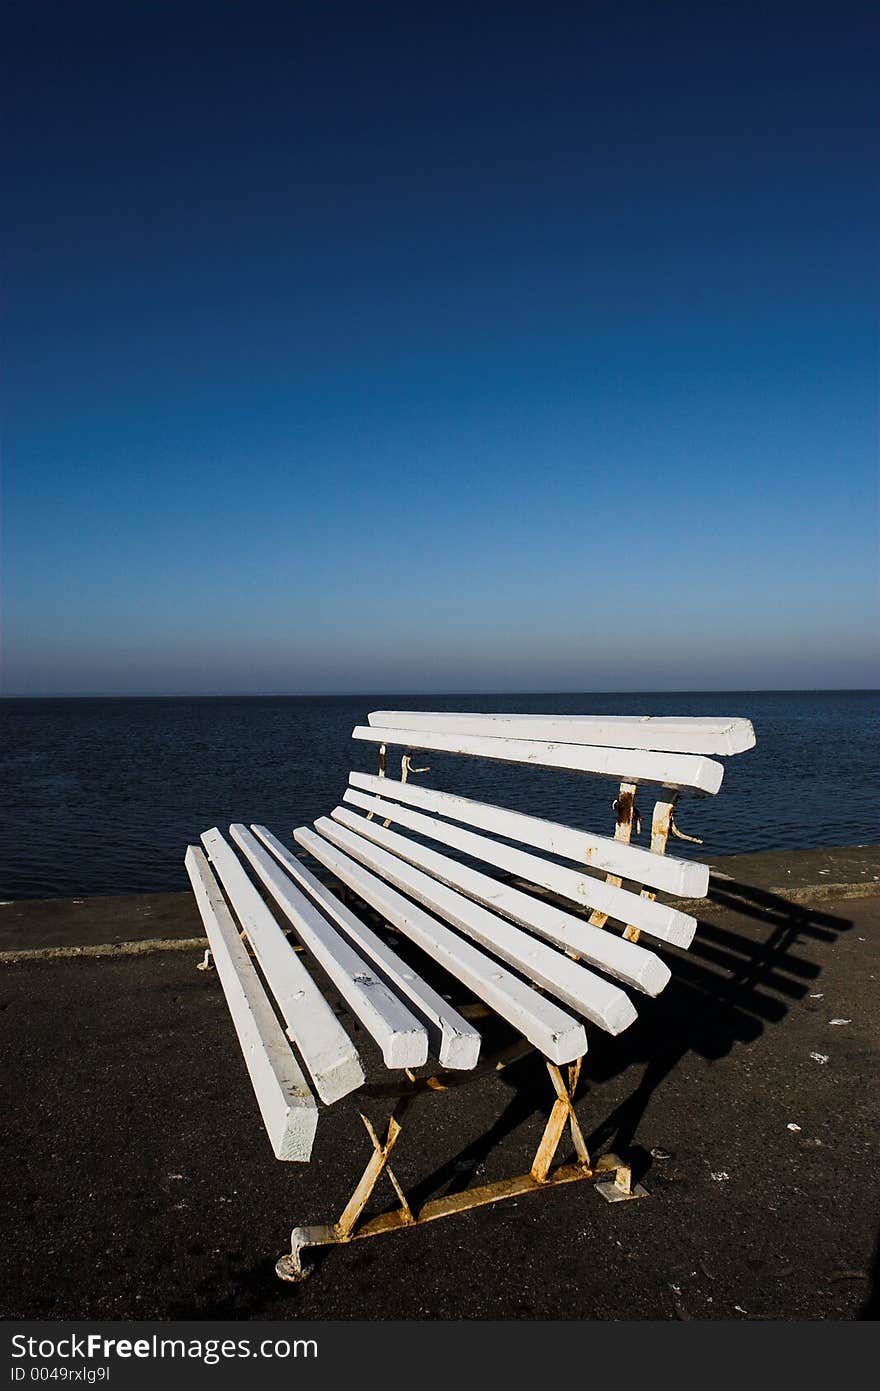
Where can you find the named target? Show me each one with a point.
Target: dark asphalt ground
(139, 1182)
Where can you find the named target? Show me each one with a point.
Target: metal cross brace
(612, 1176)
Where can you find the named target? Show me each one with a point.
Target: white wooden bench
(558, 928)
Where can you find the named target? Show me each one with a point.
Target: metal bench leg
(611, 1175)
(291, 1267)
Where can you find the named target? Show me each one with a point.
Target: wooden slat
(670, 734)
(685, 878)
(599, 1001)
(560, 1037)
(402, 1039)
(681, 771)
(286, 1104)
(631, 964)
(327, 1051)
(657, 919)
(454, 1042)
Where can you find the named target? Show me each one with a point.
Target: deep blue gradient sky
(517, 346)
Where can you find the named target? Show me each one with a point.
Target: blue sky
(456, 347)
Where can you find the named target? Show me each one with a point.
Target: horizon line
(355, 695)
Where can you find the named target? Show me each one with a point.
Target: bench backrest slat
(672, 734)
(560, 1037)
(686, 878)
(679, 771)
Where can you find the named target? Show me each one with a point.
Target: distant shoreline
(443, 695)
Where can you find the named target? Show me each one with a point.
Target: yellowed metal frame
(628, 819)
(612, 1176)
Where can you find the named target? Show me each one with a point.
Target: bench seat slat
(327, 1051)
(286, 1104)
(626, 961)
(454, 1042)
(657, 919)
(669, 734)
(576, 986)
(402, 1039)
(687, 878)
(555, 1033)
(680, 771)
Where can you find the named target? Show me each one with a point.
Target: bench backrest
(672, 755)
(670, 752)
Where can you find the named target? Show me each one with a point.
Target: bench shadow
(726, 990)
(732, 984)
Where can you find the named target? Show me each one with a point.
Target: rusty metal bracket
(662, 824)
(626, 815)
(680, 835)
(611, 1175)
(382, 759)
(405, 769)
(626, 811)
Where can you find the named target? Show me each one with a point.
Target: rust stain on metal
(624, 808)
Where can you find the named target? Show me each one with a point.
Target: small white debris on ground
(820, 996)
(792, 1125)
(841, 1021)
(820, 1058)
(720, 1176)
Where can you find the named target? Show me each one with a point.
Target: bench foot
(615, 1182)
(291, 1267)
(612, 1191)
(611, 1176)
(286, 1269)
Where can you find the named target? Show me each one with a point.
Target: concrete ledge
(136, 924)
(107, 949)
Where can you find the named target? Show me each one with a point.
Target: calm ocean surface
(103, 796)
